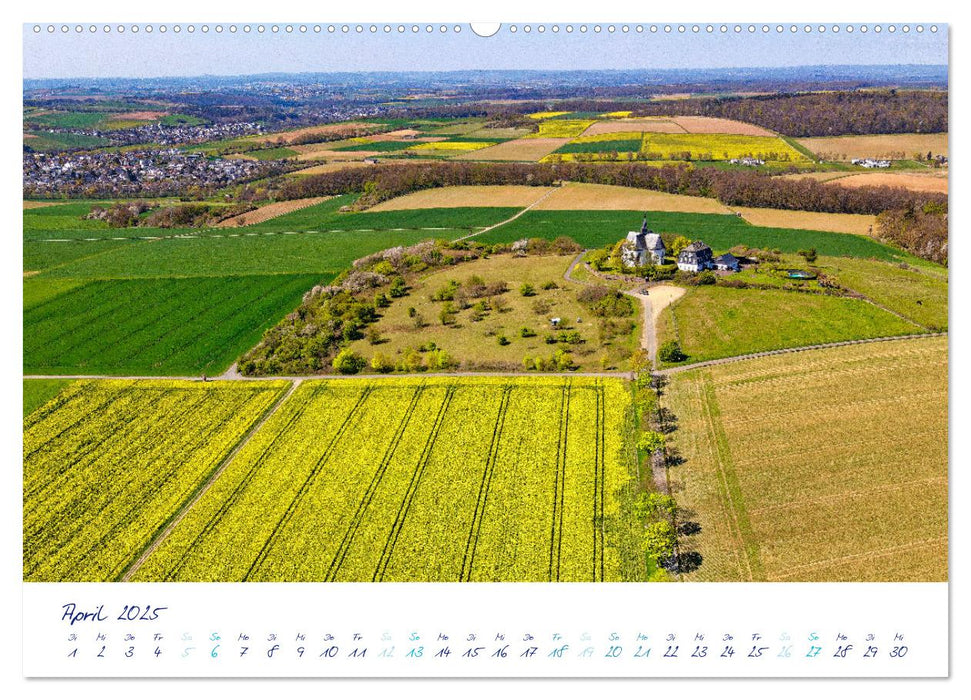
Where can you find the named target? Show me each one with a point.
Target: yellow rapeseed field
(419, 479)
(545, 115)
(562, 128)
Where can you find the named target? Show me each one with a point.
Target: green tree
(670, 351)
(382, 363)
(398, 287)
(654, 506)
(348, 362)
(809, 254)
(659, 540)
(651, 441)
(677, 245)
(527, 290)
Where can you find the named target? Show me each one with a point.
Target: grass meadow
(712, 322)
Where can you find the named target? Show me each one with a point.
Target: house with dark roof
(642, 248)
(695, 257)
(726, 262)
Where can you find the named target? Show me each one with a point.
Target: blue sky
(143, 54)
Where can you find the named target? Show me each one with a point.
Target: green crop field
(236, 253)
(58, 141)
(601, 145)
(108, 463)
(594, 229)
(68, 120)
(192, 301)
(160, 326)
(181, 119)
(712, 322)
(272, 153)
(824, 465)
(382, 146)
(420, 480)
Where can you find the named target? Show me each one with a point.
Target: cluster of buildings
(143, 173)
(750, 162)
(645, 247)
(871, 163)
(165, 135)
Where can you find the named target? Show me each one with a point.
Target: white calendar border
(181, 10)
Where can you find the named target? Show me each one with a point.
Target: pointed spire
(644, 225)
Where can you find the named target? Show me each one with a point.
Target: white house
(695, 258)
(642, 248)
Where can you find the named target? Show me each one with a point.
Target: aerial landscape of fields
(575, 327)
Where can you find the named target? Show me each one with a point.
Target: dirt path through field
(514, 217)
(654, 300)
(153, 545)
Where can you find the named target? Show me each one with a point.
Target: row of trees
(731, 187)
(821, 113)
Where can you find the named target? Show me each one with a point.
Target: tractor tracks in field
(305, 486)
(423, 459)
(472, 541)
(372, 489)
(226, 461)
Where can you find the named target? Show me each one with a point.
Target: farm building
(750, 162)
(642, 247)
(726, 262)
(871, 162)
(695, 258)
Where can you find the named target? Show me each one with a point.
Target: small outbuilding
(726, 262)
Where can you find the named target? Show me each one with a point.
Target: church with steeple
(642, 248)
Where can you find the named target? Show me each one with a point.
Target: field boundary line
(183, 511)
(514, 216)
(298, 497)
(372, 488)
(782, 351)
(399, 521)
(472, 543)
